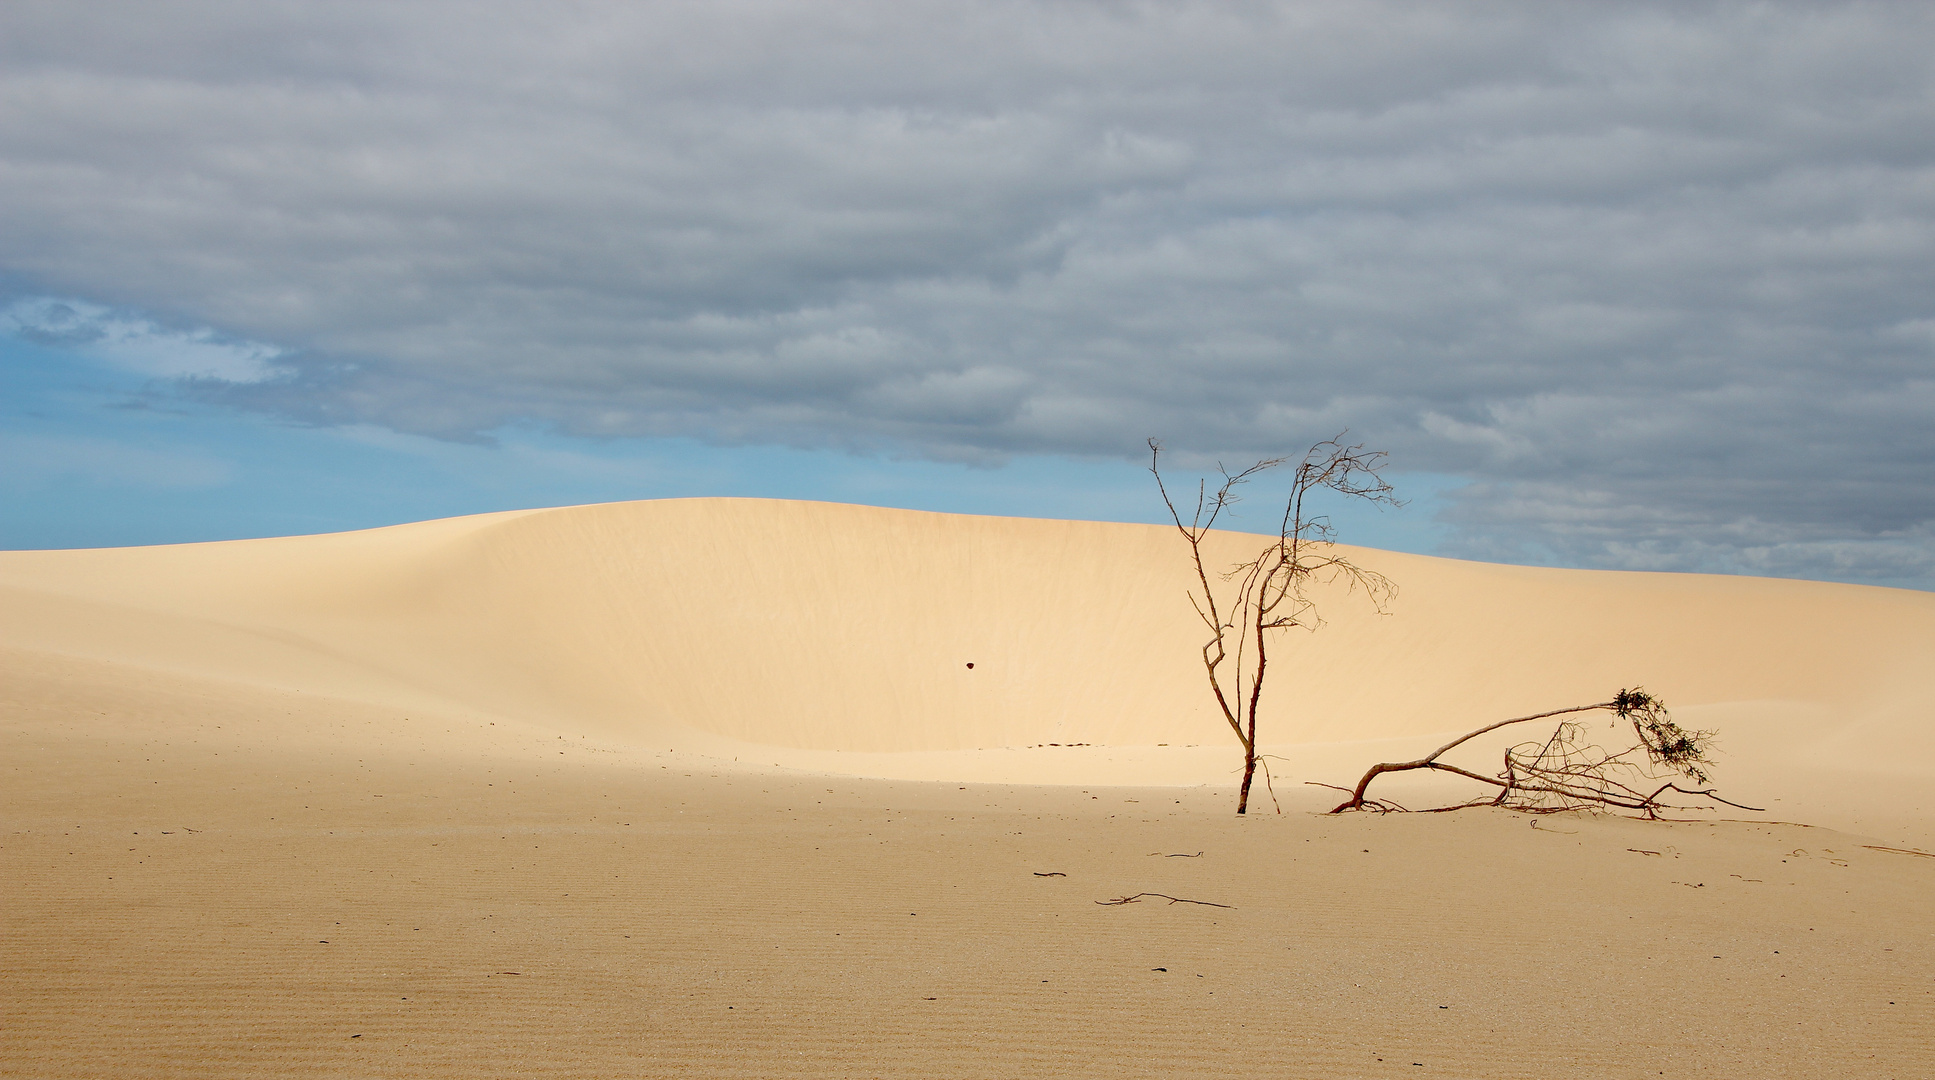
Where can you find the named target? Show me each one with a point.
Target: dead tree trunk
(1268, 593)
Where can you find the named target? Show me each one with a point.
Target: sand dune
(657, 788)
(827, 627)
(787, 632)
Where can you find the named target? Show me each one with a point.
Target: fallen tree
(1566, 771)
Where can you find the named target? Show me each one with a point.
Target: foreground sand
(306, 807)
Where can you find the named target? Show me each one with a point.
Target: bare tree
(1246, 606)
(1565, 771)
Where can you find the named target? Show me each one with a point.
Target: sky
(1634, 286)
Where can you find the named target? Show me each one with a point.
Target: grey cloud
(1656, 278)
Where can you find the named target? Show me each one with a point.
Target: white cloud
(138, 345)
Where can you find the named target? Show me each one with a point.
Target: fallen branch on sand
(1137, 898)
(1565, 772)
(1899, 850)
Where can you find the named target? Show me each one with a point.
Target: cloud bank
(1658, 279)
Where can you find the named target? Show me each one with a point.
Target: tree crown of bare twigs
(1268, 593)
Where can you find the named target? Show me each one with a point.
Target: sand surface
(705, 787)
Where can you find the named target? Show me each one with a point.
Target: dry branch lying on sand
(1565, 772)
(1137, 898)
(1900, 850)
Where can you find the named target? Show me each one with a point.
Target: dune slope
(811, 628)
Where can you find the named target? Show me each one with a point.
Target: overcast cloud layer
(1659, 280)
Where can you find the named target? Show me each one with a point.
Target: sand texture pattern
(708, 788)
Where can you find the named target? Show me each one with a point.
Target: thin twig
(1120, 900)
(1899, 850)
(1268, 784)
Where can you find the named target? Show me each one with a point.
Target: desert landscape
(739, 787)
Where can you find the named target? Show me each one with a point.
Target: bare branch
(1564, 771)
(1173, 900)
(1268, 593)
(1899, 850)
